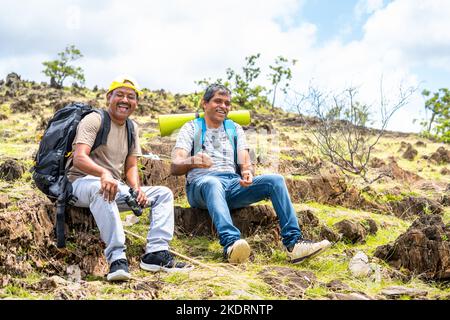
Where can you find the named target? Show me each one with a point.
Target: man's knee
(276, 180)
(211, 183)
(93, 190)
(165, 193)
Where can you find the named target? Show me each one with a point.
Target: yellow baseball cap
(124, 81)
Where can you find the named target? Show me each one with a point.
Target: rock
(359, 265)
(81, 229)
(130, 220)
(351, 231)
(328, 189)
(445, 200)
(52, 283)
(441, 156)
(4, 201)
(410, 153)
(414, 206)
(350, 296)
(329, 234)
(420, 144)
(248, 220)
(397, 173)
(338, 285)
(398, 291)
(74, 273)
(307, 217)
(375, 272)
(308, 223)
(423, 250)
(157, 173)
(21, 106)
(425, 185)
(13, 81)
(376, 163)
(286, 281)
(445, 171)
(403, 145)
(11, 170)
(372, 226)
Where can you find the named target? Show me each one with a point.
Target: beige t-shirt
(110, 156)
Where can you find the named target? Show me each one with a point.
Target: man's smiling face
(217, 108)
(122, 103)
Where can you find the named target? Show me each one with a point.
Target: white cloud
(398, 41)
(170, 44)
(364, 7)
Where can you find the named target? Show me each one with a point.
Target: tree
(439, 124)
(60, 69)
(342, 132)
(245, 94)
(281, 74)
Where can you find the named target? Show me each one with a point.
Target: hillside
(410, 207)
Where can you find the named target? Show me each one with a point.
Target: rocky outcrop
(11, 170)
(197, 222)
(288, 282)
(414, 206)
(157, 173)
(441, 156)
(351, 231)
(331, 189)
(13, 81)
(410, 153)
(424, 249)
(397, 173)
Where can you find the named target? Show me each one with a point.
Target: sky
(170, 44)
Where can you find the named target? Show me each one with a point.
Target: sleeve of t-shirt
(241, 139)
(185, 139)
(136, 151)
(87, 129)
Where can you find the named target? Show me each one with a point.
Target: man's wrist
(106, 173)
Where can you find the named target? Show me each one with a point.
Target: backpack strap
(230, 129)
(105, 127)
(102, 134)
(199, 137)
(130, 134)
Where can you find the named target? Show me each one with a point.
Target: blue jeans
(221, 192)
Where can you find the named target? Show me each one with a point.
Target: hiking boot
(163, 261)
(118, 271)
(305, 249)
(238, 252)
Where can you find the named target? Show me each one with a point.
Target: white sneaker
(238, 252)
(305, 249)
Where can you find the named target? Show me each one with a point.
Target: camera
(132, 202)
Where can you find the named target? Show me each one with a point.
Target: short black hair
(213, 89)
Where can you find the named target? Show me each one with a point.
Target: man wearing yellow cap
(96, 177)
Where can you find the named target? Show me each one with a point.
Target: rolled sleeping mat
(168, 123)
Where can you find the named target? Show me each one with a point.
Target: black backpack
(55, 148)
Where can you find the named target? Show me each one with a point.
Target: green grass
(221, 280)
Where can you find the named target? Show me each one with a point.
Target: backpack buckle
(72, 200)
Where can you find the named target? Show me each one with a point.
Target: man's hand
(201, 160)
(109, 186)
(247, 178)
(142, 197)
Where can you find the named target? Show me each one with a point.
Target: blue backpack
(199, 137)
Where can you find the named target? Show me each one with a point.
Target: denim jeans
(107, 218)
(221, 192)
